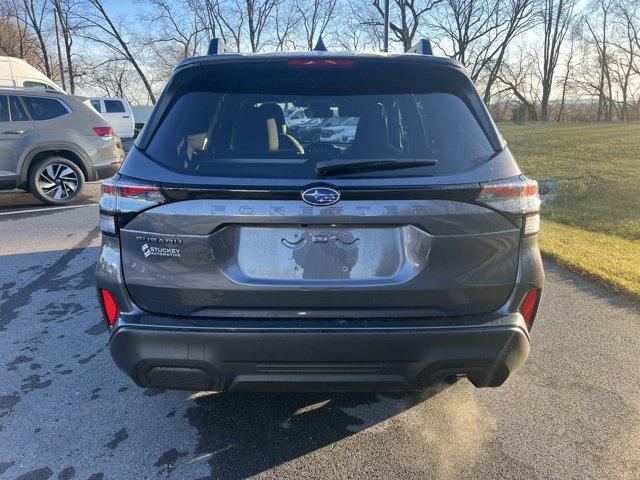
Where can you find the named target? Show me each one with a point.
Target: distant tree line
(539, 60)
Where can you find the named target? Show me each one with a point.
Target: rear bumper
(8, 182)
(106, 171)
(319, 355)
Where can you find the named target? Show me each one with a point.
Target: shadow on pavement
(243, 434)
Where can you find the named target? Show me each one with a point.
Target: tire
(56, 181)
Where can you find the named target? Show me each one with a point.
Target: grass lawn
(593, 225)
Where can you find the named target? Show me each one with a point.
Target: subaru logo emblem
(321, 196)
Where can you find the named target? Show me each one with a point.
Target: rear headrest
(272, 110)
(256, 131)
(371, 131)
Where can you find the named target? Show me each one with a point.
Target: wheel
(56, 181)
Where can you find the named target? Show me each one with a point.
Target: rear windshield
(279, 134)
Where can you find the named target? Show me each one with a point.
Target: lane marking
(48, 209)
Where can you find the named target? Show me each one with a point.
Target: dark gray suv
(237, 256)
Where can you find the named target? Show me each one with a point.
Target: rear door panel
(15, 137)
(286, 258)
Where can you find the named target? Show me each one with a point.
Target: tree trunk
(544, 102)
(67, 41)
(37, 28)
(127, 52)
(55, 21)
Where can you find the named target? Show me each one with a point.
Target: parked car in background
(313, 133)
(141, 114)
(301, 128)
(51, 143)
(343, 133)
(15, 72)
(117, 112)
(295, 116)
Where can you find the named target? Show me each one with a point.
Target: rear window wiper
(325, 167)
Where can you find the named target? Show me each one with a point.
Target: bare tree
(101, 28)
(464, 24)
(518, 17)
(205, 12)
(57, 29)
(287, 20)
(63, 10)
(356, 30)
(478, 33)
(315, 16)
(526, 55)
(35, 16)
(230, 19)
(556, 16)
(405, 18)
(173, 32)
(362, 27)
(627, 43)
(598, 26)
(15, 38)
(568, 69)
(519, 76)
(258, 13)
(113, 78)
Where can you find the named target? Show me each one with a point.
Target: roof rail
(32, 89)
(217, 46)
(423, 47)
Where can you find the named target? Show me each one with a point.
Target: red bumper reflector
(529, 306)
(109, 305)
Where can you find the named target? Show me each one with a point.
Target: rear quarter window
(4, 109)
(18, 114)
(454, 136)
(114, 106)
(41, 108)
(36, 85)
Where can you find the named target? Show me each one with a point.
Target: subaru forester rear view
(394, 247)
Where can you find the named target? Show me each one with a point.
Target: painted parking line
(48, 209)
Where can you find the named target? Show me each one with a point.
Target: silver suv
(51, 143)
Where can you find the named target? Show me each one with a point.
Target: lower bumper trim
(276, 360)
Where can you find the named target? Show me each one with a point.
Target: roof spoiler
(217, 46)
(423, 47)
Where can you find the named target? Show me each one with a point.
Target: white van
(117, 112)
(15, 72)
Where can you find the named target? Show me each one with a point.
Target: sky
(127, 7)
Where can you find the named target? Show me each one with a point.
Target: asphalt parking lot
(67, 412)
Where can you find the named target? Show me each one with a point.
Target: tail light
(517, 196)
(109, 305)
(122, 198)
(104, 132)
(320, 62)
(529, 306)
